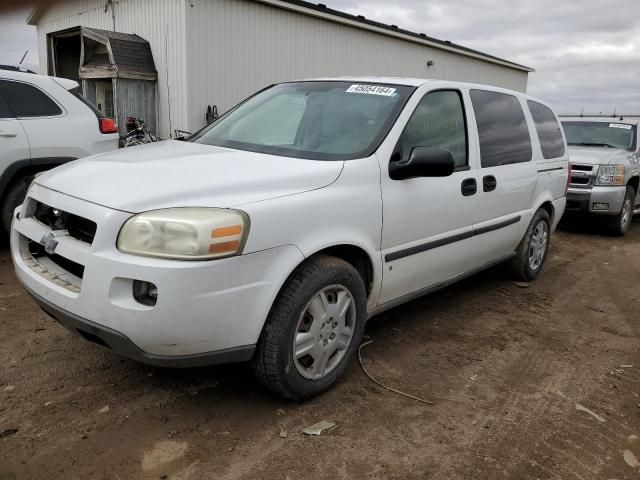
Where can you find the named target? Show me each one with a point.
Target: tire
(531, 253)
(299, 314)
(16, 193)
(619, 224)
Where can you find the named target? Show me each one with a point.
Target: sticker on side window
(619, 125)
(372, 90)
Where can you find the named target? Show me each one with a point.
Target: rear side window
(5, 112)
(551, 142)
(502, 128)
(78, 94)
(27, 101)
(438, 121)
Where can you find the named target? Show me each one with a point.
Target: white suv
(274, 233)
(44, 122)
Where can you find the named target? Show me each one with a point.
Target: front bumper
(122, 345)
(582, 200)
(204, 311)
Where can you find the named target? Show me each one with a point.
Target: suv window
(27, 101)
(438, 121)
(551, 142)
(502, 128)
(5, 111)
(78, 94)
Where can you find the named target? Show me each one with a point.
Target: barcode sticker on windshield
(619, 125)
(372, 90)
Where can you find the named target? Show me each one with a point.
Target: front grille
(77, 227)
(581, 175)
(37, 251)
(580, 180)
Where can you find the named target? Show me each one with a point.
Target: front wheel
(314, 329)
(532, 251)
(619, 224)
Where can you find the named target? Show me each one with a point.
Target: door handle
(469, 187)
(489, 183)
(7, 134)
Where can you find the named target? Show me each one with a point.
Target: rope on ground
(364, 369)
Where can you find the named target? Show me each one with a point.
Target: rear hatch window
(78, 94)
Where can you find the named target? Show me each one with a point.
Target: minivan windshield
(600, 134)
(312, 120)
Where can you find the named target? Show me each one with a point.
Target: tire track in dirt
(533, 363)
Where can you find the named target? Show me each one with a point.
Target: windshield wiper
(588, 144)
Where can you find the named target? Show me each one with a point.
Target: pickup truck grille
(78, 227)
(582, 175)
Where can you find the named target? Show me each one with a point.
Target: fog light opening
(145, 293)
(600, 206)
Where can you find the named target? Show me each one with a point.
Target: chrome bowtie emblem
(49, 242)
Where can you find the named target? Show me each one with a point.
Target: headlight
(610, 175)
(185, 233)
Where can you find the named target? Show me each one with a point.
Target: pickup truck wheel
(532, 251)
(14, 197)
(313, 330)
(619, 224)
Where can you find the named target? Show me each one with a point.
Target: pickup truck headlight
(185, 233)
(610, 175)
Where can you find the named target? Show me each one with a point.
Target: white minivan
(273, 234)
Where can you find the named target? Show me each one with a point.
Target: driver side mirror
(424, 162)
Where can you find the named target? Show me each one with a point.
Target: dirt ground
(508, 368)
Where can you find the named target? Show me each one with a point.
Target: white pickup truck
(605, 170)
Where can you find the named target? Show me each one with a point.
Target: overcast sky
(586, 53)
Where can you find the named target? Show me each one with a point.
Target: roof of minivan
(416, 82)
(412, 82)
(629, 121)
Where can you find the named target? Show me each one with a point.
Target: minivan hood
(597, 155)
(183, 174)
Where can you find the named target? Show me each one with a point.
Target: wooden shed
(116, 70)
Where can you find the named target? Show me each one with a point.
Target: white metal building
(217, 52)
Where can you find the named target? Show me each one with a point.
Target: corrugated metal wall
(161, 22)
(135, 98)
(236, 47)
(220, 51)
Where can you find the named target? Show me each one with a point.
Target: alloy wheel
(324, 332)
(626, 213)
(538, 245)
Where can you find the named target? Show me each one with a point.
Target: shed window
(108, 103)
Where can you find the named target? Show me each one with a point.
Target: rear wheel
(532, 251)
(313, 330)
(619, 224)
(14, 197)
